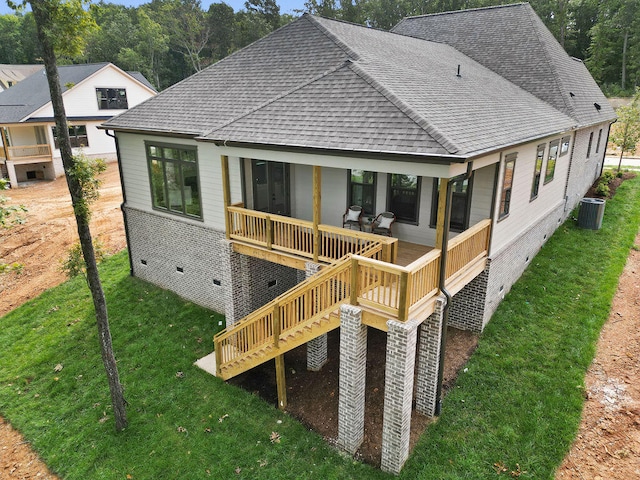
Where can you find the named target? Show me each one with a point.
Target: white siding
(523, 211)
(482, 194)
(81, 101)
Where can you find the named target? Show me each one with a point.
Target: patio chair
(353, 217)
(383, 222)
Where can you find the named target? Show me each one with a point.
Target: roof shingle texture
(322, 83)
(32, 93)
(512, 41)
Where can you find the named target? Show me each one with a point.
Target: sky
(286, 6)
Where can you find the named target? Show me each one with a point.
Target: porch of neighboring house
(25, 154)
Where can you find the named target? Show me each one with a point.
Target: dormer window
(112, 98)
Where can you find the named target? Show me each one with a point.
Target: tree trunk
(625, 43)
(43, 25)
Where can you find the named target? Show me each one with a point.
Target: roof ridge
(276, 98)
(531, 15)
(332, 36)
(464, 10)
(418, 119)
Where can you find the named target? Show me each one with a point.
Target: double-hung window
(173, 174)
(77, 136)
(460, 204)
(552, 157)
(403, 197)
(362, 190)
(589, 145)
(507, 185)
(537, 170)
(112, 98)
(599, 140)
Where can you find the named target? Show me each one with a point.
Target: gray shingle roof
(512, 41)
(23, 99)
(322, 83)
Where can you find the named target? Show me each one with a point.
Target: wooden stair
(288, 341)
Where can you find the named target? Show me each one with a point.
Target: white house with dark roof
(474, 128)
(92, 93)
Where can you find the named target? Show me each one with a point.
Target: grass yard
(517, 406)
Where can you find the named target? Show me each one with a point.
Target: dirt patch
(50, 229)
(608, 441)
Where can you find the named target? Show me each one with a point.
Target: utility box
(591, 213)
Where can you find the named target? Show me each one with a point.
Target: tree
(61, 27)
(626, 132)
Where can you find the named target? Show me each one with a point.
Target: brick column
(353, 369)
(317, 355)
(429, 360)
(468, 305)
(234, 277)
(398, 393)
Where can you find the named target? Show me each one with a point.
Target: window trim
(549, 177)
(147, 145)
(589, 145)
(106, 98)
(373, 186)
(73, 137)
(435, 199)
(510, 158)
(564, 140)
(537, 174)
(599, 140)
(418, 193)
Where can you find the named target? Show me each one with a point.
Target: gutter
(124, 200)
(442, 280)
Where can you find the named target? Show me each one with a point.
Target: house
(92, 93)
(12, 74)
(474, 128)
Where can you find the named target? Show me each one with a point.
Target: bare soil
(608, 443)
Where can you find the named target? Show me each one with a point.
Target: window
(77, 135)
(537, 170)
(589, 146)
(403, 197)
(507, 184)
(362, 190)
(552, 156)
(599, 140)
(112, 98)
(173, 173)
(564, 145)
(461, 193)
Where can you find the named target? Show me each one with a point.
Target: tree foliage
(625, 133)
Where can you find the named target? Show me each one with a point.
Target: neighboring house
(92, 94)
(12, 74)
(236, 181)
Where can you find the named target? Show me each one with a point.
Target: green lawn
(518, 403)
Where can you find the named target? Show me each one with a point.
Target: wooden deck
(409, 252)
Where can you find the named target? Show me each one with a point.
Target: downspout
(124, 200)
(442, 280)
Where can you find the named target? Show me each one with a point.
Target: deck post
(281, 382)
(354, 281)
(429, 346)
(403, 307)
(226, 194)
(317, 210)
(442, 204)
(276, 325)
(5, 144)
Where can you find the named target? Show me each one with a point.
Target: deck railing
(28, 152)
(363, 279)
(292, 235)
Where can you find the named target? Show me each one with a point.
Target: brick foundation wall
(466, 311)
(198, 263)
(506, 266)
